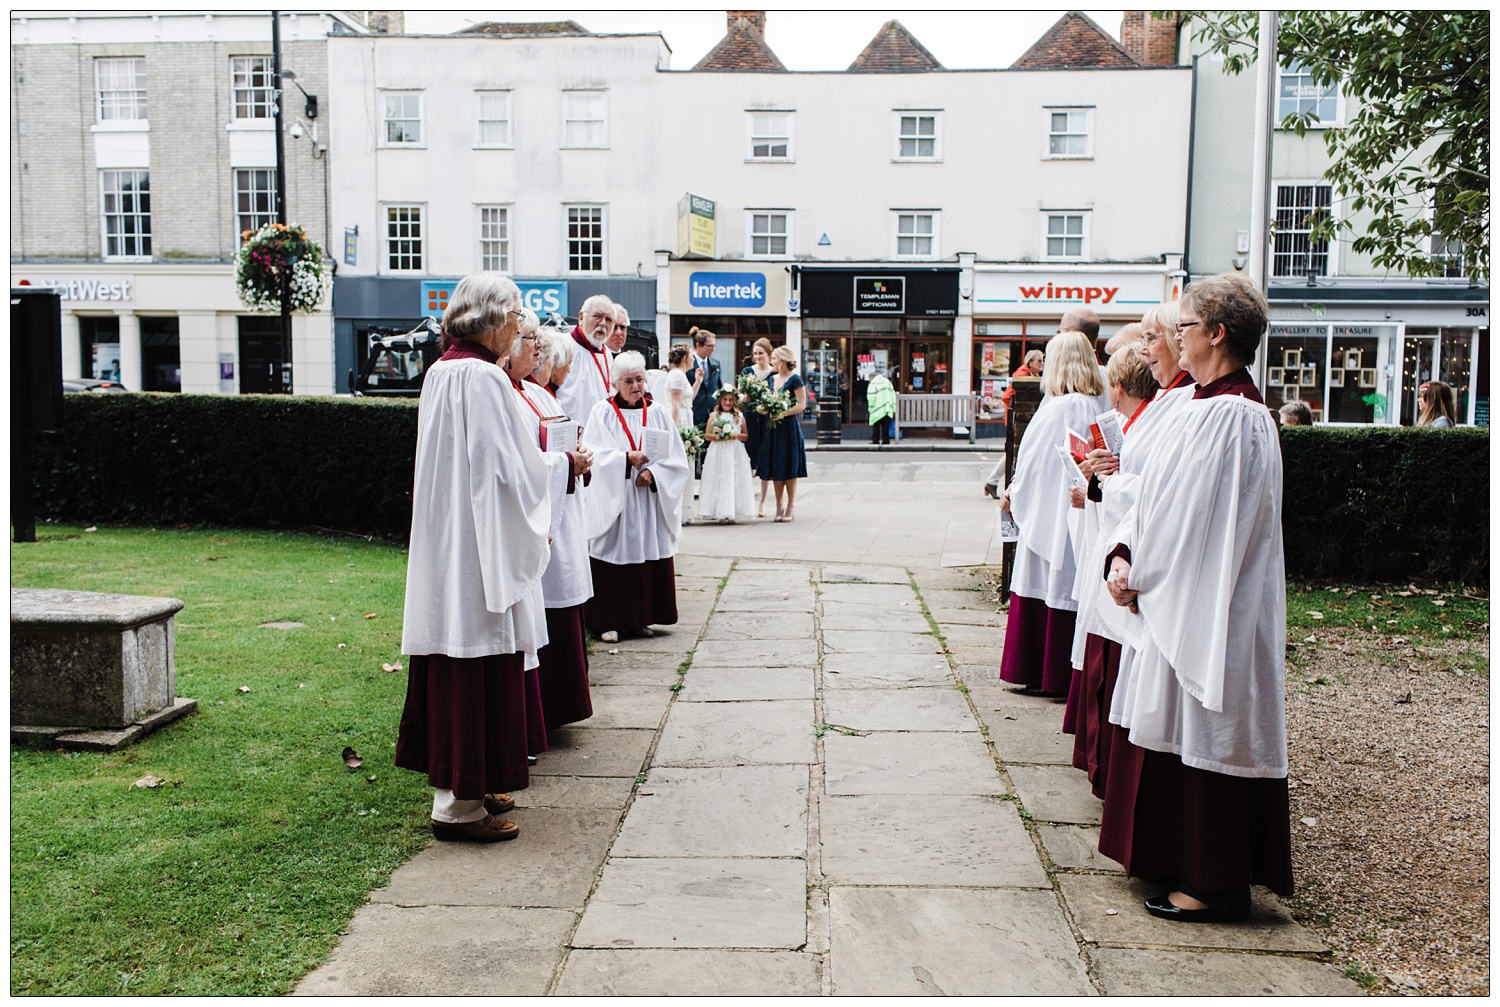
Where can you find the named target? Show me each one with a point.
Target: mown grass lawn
(236, 876)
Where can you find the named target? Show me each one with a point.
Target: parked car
(91, 385)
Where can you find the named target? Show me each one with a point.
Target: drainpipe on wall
(1187, 227)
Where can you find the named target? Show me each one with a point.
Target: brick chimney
(1150, 41)
(386, 22)
(757, 19)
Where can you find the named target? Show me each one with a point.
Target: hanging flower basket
(271, 252)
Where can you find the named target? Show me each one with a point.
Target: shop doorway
(262, 369)
(161, 354)
(99, 337)
(1419, 365)
(734, 336)
(842, 355)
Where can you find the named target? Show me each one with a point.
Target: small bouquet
(753, 391)
(693, 441)
(776, 404)
(726, 426)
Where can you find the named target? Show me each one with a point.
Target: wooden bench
(937, 411)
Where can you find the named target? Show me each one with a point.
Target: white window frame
(603, 140)
(936, 115)
(386, 238)
(1087, 111)
(751, 135)
(239, 85)
(936, 217)
(506, 223)
(603, 239)
(142, 237)
(1338, 98)
(140, 103)
(751, 234)
(252, 190)
(386, 120)
(1333, 244)
(480, 143)
(1085, 237)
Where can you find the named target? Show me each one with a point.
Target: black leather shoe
(531, 760)
(1231, 911)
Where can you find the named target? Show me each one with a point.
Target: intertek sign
(727, 290)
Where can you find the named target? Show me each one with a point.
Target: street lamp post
(284, 383)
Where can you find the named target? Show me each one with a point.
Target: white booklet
(1106, 427)
(1006, 529)
(1075, 474)
(559, 434)
(656, 443)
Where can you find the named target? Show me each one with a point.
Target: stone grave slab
(879, 595)
(988, 657)
(878, 643)
(1029, 735)
(887, 671)
(949, 942)
(1128, 972)
(947, 840)
(846, 616)
(444, 951)
(1075, 847)
(898, 710)
(959, 635)
(551, 864)
(1056, 794)
(739, 626)
(919, 764)
(947, 616)
(599, 751)
(735, 811)
(864, 575)
(940, 598)
(717, 685)
(1270, 926)
(691, 972)
(697, 903)
(727, 734)
(784, 652)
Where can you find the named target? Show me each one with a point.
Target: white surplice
(567, 580)
(1045, 567)
(587, 383)
(1207, 560)
(480, 518)
(631, 524)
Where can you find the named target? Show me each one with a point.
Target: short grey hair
(600, 302)
(620, 310)
(627, 362)
(480, 302)
(557, 348)
(529, 321)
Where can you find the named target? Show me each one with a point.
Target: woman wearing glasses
(1199, 793)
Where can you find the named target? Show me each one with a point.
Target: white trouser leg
(449, 809)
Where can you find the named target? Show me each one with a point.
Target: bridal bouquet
(693, 441)
(726, 425)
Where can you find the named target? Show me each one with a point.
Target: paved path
(836, 801)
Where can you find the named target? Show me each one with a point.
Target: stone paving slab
(727, 734)
(551, 864)
(851, 616)
(1056, 794)
(788, 598)
(864, 575)
(988, 656)
(957, 635)
(935, 580)
(716, 685)
(632, 669)
(575, 791)
(984, 683)
(1076, 847)
(898, 710)
(947, 942)
(760, 566)
(690, 972)
(697, 585)
(947, 616)
(676, 639)
(966, 841)
(444, 951)
(738, 811)
(627, 706)
(878, 643)
(885, 671)
(742, 626)
(573, 751)
(701, 566)
(1089, 897)
(918, 764)
(1126, 972)
(1029, 735)
(702, 903)
(882, 595)
(981, 600)
(782, 652)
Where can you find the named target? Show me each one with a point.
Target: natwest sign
(118, 289)
(1120, 294)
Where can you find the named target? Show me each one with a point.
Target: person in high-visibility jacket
(880, 395)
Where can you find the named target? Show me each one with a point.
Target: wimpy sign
(1053, 294)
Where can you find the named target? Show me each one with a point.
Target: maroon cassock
(464, 723)
(1038, 649)
(1163, 819)
(632, 596)
(565, 669)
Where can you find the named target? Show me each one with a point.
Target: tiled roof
(1075, 41)
(895, 50)
(525, 28)
(743, 49)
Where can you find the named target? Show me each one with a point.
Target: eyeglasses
(1182, 326)
(529, 339)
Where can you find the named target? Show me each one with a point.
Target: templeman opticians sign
(879, 295)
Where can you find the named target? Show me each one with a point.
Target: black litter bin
(830, 426)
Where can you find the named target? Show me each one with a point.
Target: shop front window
(1296, 366)
(734, 337)
(1455, 362)
(1356, 393)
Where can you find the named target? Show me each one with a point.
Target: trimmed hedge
(1360, 503)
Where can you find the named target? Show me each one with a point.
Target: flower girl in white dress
(725, 493)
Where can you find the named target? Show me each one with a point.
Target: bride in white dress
(725, 493)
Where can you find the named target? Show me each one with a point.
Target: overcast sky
(805, 40)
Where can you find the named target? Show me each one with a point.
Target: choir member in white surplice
(588, 380)
(480, 519)
(1200, 792)
(1039, 629)
(634, 506)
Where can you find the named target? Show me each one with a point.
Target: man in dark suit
(703, 350)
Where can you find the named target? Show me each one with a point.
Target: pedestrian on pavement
(681, 391)
(473, 595)
(755, 419)
(1039, 629)
(727, 494)
(783, 456)
(589, 369)
(1200, 794)
(1438, 408)
(562, 672)
(634, 507)
(1031, 367)
(880, 397)
(708, 368)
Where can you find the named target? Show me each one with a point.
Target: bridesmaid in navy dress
(783, 459)
(755, 422)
